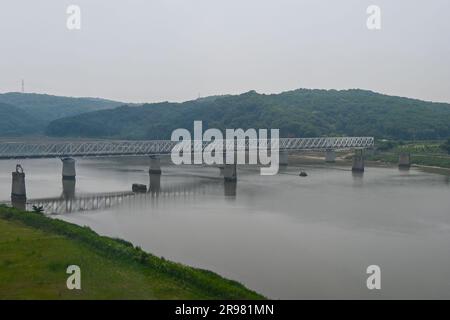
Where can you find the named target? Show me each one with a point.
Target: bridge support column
(230, 188)
(358, 161)
(283, 157)
(404, 160)
(68, 188)
(155, 183)
(155, 165)
(18, 189)
(229, 172)
(68, 169)
(330, 156)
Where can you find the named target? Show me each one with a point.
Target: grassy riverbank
(35, 252)
(423, 153)
(416, 159)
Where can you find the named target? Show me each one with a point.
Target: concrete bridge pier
(358, 161)
(68, 169)
(155, 183)
(404, 160)
(68, 188)
(18, 190)
(155, 165)
(283, 158)
(229, 172)
(230, 188)
(330, 156)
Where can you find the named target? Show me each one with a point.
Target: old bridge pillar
(155, 183)
(228, 170)
(68, 186)
(330, 156)
(230, 188)
(283, 160)
(18, 189)
(358, 161)
(404, 160)
(68, 169)
(155, 165)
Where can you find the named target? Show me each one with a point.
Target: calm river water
(284, 236)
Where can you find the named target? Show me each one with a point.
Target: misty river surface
(284, 236)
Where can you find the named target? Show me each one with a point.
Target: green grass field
(35, 252)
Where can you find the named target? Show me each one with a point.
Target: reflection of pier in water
(70, 202)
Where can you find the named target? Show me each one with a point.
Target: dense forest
(16, 122)
(298, 113)
(46, 108)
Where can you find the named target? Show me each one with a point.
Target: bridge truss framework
(55, 149)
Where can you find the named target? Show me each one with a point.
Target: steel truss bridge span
(85, 148)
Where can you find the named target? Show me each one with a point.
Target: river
(285, 236)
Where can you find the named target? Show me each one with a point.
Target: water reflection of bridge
(70, 202)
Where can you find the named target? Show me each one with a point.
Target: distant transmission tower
(23, 86)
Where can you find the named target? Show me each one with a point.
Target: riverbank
(35, 252)
(424, 154)
(430, 162)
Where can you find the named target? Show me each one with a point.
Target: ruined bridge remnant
(404, 160)
(18, 189)
(358, 161)
(68, 169)
(89, 202)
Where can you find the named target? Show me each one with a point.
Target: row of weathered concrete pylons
(18, 188)
(228, 171)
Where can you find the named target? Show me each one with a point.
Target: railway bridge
(68, 150)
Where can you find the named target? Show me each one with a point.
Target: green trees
(16, 122)
(446, 146)
(29, 113)
(39, 210)
(298, 113)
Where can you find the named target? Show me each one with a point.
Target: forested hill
(46, 107)
(15, 122)
(299, 113)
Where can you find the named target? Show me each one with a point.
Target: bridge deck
(55, 149)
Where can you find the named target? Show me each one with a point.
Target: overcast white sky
(153, 50)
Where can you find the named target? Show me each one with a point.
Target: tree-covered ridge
(48, 107)
(14, 121)
(299, 113)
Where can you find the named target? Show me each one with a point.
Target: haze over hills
(299, 113)
(46, 107)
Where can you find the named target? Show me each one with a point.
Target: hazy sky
(153, 50)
